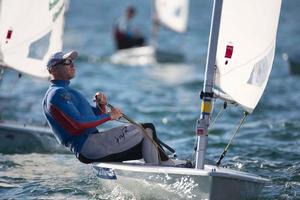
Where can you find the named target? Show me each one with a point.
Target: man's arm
(66, 114)
(101, 101)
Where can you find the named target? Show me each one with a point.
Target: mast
(207, 94)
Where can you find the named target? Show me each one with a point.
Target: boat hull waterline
(187, 183)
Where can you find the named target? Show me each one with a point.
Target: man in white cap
(73, 121)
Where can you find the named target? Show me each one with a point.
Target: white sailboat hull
(184, 183)
(137, 56)
(147, 55)
(17, 138)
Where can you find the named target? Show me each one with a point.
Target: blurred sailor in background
(126, 35)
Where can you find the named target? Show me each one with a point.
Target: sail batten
(30, 31)
(246, 48)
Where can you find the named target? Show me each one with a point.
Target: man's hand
(100, 98)
(115, 113)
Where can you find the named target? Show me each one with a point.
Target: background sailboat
(172, 14)
(239, 61)
(30, 32)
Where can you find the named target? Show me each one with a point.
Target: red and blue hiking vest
(70, 115)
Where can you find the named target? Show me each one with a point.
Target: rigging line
(219, 113)
(212, 124)
(122, 121)
(231, 139)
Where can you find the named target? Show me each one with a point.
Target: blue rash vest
(70, 115)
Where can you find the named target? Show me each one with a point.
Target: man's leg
(150, 152)
(134, 153)
(114, 143)
(119, 144)
(162, 153)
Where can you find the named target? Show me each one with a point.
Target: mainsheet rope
(219, 113)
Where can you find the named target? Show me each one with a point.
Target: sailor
(73, 121)
(126, 35)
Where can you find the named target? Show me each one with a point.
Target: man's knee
(150, 126)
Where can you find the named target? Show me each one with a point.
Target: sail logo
(228, 53)
(58, 12)
(52, 3)
(8, 35)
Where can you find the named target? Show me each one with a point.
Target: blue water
(167, 95)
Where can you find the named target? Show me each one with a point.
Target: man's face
(64, 71)
(130, 14)
(70, 68)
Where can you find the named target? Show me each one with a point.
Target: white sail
(173, 13)
(246, 49)
(30, 31)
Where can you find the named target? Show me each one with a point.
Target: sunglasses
(64, 62)
(67, 62)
